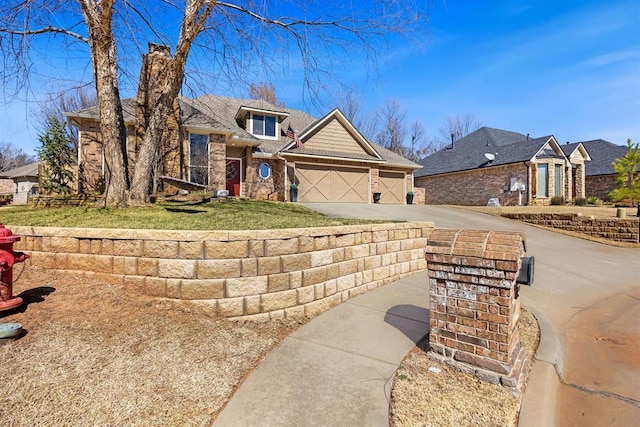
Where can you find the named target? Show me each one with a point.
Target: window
(557, 176)
(264, 170)
(199, 159)
(263, 125)
(543, 180)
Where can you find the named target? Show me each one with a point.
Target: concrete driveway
(586, 297)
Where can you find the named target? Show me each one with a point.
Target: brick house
(512, 167)
(241, 145)
(600, 177)
(24, 181)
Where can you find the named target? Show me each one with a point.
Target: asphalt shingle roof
(224, 109)
(30, 170)
(218, 113)
(602, 153)
(469, 152)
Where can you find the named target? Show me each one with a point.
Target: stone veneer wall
(618, 229)
(240, 274)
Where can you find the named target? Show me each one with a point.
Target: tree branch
(45, 30)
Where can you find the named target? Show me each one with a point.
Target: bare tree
(393, 128)
(420, 147)
(12, 157)
(61, 102)
(265, 92)
(350, 103)
(459, 127)
(226, 33)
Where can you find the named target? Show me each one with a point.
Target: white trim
(337, 166)
(281, 115)
(79, 149)
(370, 196)
(348, 159)
(276, 136)
(260, 172)
(260, 155)
(207, 130)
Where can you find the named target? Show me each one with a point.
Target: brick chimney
(152, 79)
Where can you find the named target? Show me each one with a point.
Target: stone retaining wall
(618, 229)
(240, 274)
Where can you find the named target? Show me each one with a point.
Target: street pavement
(586, 297)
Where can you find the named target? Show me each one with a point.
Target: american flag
(291, 134)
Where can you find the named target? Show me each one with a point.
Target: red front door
(233, 177)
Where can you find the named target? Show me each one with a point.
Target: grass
(449, 397)
(178, 215)
(595, 211)
(95, 355)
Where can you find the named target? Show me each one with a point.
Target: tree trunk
(169, 80)
(99, 19)
(113, 135)
(147, 157)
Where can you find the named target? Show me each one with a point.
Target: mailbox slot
(525, 275)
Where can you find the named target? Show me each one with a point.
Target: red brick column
(474, 302)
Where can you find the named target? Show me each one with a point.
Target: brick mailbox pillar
(474, 303)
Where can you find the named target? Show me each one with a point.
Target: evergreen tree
(56, 154)
(628, 169)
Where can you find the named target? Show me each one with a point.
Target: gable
(550, 149)
(334, 137)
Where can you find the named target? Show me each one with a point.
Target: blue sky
(567, 68)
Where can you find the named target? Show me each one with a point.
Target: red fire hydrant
(7, 258)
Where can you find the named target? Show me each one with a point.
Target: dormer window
(263, 125)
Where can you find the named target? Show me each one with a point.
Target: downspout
(286, 178)
(528, 166)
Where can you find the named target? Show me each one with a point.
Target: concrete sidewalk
(336, 369)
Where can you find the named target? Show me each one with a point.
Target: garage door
(321, 183)
(392, 187)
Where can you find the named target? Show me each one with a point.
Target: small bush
(580, 201)
(557, 201)
(593, 200)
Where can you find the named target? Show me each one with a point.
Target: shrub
(580, 201)
(593, 200)
(557, 201)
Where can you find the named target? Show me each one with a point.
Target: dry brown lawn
(93, 355)
(587, 211)
(595, 211)
(450, 397)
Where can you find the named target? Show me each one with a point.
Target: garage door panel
(392, 187)
(351, 186)
(319, 184)
(314, 185)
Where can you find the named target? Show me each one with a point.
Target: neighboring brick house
(241, 145)
(25, 181)
(493, 163)
(600, 176)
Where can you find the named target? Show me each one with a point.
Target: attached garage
(328, 183)
(392, 187)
